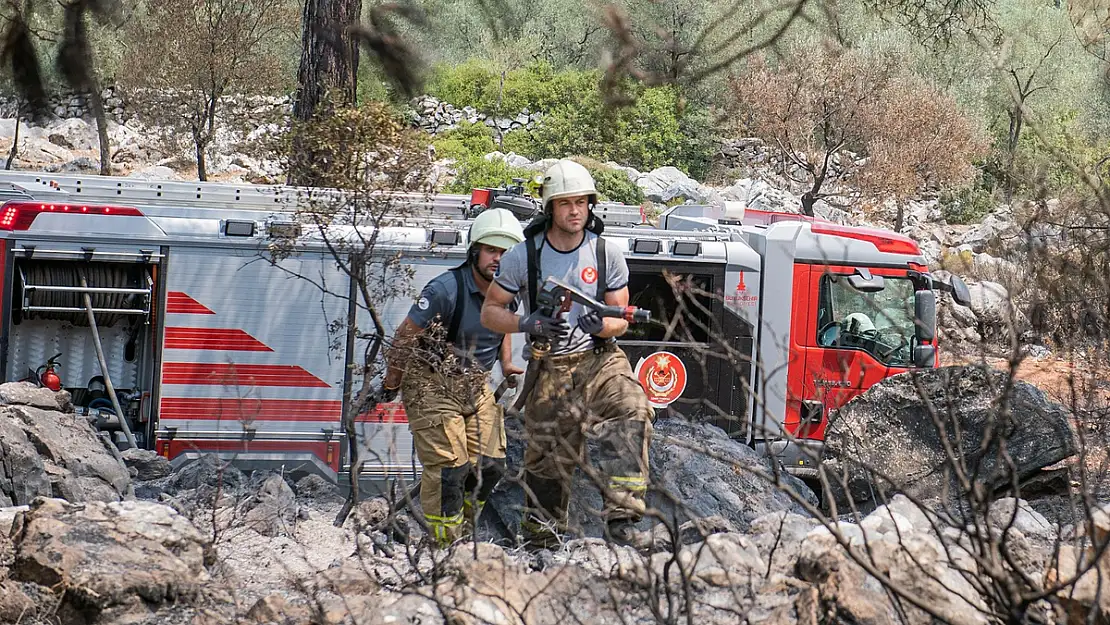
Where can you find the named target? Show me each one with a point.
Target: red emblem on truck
(662, 376)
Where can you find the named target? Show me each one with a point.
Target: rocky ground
(92, 535)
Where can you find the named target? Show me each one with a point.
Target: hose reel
(52, 290)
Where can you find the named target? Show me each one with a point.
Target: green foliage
(465, 141)
(536, 87)
(967, 205)
(659, 129)
(475, 171)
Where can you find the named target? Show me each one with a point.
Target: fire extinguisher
(48, 378)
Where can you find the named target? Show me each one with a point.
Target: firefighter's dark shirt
(438, 299)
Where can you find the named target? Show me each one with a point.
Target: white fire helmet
(567, 179)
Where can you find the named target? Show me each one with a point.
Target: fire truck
(163, 309)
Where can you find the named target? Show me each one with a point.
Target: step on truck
(766, 322)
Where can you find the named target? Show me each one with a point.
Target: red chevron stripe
(224, 374)
(227, 339)
(248, 408)
(178, 302)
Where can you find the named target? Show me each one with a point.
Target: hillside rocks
(106, 559)
(723, 486)
(889, 429)
(44, 452)
(434, 117)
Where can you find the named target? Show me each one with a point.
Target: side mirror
(925, 315)
(960, 293)
(956, 286)
(924, 356)
(863, 280)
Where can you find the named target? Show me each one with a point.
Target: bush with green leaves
(476, 171)
(464, 141)
(659, 128)
(967, 205)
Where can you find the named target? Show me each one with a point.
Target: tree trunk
(899, 217)
(101, 117)
(329, 57)
(15, 143)
(1017, 121)
(202, 167)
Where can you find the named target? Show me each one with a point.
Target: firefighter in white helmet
(584, 386)
(440, 360)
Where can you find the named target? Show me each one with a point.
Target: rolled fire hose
(104, 365)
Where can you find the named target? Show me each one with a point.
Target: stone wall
(435, 117)
(71, 105)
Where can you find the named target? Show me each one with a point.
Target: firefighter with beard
(440, 360)
(584, 386)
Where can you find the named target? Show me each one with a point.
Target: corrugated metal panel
(35, 341)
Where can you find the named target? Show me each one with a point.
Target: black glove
(387, 395)
(539, 324)
(591, 322)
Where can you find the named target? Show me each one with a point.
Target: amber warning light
(20, 215)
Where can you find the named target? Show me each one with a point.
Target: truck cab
(835, 309)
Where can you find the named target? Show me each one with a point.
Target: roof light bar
(647, 246)
(686, 248)
(888, 242)
(445, 237)
(20, 215)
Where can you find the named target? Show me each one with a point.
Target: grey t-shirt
(577, 267)
(474, 344)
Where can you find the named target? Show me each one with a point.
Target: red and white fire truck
(213, 346)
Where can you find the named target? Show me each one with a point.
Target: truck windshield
(880, 323)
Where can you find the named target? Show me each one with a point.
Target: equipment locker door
(677, 357)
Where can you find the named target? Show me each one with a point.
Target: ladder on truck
(95, 189)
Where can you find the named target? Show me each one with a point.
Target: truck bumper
(798, 457)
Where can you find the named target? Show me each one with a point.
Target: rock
(27, 394)
(888, 431)
(995, 314)
(315, 488)
(64, 451)
(23, 476)
(915, 565)
(665, 181)
(274, 608)
(206, 471)
(111, 554)
(779, 536)
(760, 195)
(272, 510)
(155, 172)
(1017, 514)
(148, 464)
(73, 134)
(727, 560)
(997, 229)
(15, 605)
(705, 486)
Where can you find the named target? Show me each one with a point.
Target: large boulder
(73, 134)
(686, 483)
(667, 184)
(100, 557)
(885, 441)
(54, 454)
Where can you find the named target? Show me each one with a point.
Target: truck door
(674, 357)
(856, 339)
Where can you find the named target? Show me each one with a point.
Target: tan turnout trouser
(458, 433)
(593, 395)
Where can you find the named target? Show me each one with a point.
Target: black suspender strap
(602, 277)
(460, 302)
(533, 273)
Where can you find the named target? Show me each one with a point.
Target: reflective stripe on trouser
(456, 426)
(587, 395)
